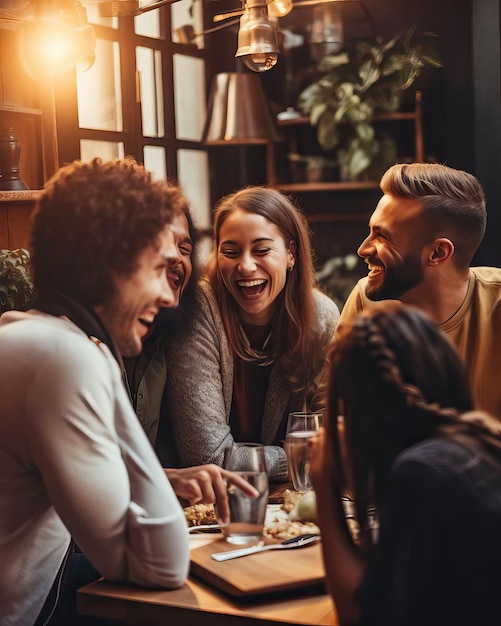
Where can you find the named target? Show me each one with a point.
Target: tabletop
(198, 603)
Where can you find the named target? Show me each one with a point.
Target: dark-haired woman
(408, 444)
(256, 346)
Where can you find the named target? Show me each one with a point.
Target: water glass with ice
(247, 514)
(301, 427)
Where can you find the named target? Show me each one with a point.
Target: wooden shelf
(414, 116)
(8, 108)
(251, 141)
(382, 117)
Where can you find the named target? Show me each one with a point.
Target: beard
(397, 280)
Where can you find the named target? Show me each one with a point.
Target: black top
(438, 559)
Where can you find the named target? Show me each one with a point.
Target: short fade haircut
(453, 203)
(91, 223)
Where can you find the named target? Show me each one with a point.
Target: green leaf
(369, 73)
(434, 61)
(340, 113)
(345, 91)
(326, 134)
(408, 37)
(359, 114)
(317, 112)
(391, 43)
(377, 54)
(308, 97)
(394, 63)
(359, 162)
(332, 61)
(409, 76)
(365, 132)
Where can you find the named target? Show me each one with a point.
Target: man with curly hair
(76, 466)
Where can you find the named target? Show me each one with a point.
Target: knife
(300, 541)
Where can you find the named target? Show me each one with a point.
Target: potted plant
(16, 288)
(351, 88)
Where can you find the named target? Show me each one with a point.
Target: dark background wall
(461, 102)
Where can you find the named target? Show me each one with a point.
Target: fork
(300, 541)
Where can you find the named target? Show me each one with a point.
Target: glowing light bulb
(260, 61)
(279, 8)
(56, 43)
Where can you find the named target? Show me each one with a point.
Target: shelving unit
(288, 125)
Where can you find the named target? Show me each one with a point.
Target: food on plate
(198, 514)
(285, 529)
(305, 509)
(290, 498)
(278, 525)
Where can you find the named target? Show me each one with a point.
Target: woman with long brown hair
(401, 436)
(255, 349)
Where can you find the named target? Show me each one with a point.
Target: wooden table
(200, 604)
(197, 604)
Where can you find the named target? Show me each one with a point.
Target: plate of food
(294, 516)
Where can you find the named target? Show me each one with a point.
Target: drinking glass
(301, 427)
(246, 513)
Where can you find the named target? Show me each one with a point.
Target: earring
(290, 268)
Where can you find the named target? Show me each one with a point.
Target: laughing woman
(255, 348)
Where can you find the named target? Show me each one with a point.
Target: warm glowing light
(279, 8)
(56, 43)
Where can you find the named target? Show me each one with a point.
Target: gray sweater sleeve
(200, 386)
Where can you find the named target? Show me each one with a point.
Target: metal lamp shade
(238, 111)
(257, 40)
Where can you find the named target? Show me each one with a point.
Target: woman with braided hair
(409, 444)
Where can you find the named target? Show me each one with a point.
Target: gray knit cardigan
(200, 387)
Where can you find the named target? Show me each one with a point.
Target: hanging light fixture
(326, 35)
(58, 39)
(257, 37)
(128, 8)
(238, 112)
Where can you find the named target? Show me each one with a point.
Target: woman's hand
(207, 484)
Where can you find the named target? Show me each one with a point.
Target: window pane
(149, 66)
(147, 24)
(189, 97)
(154, 161)
(188, 13)
(193, 177)
(99, 90)
(107, 150)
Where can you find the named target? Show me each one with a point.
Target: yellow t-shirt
(475, 330)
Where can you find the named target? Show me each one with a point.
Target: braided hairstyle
(396, 380)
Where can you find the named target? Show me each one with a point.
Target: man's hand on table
(207, 484)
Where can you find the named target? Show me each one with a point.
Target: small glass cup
(247, 514)
(301, 427)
